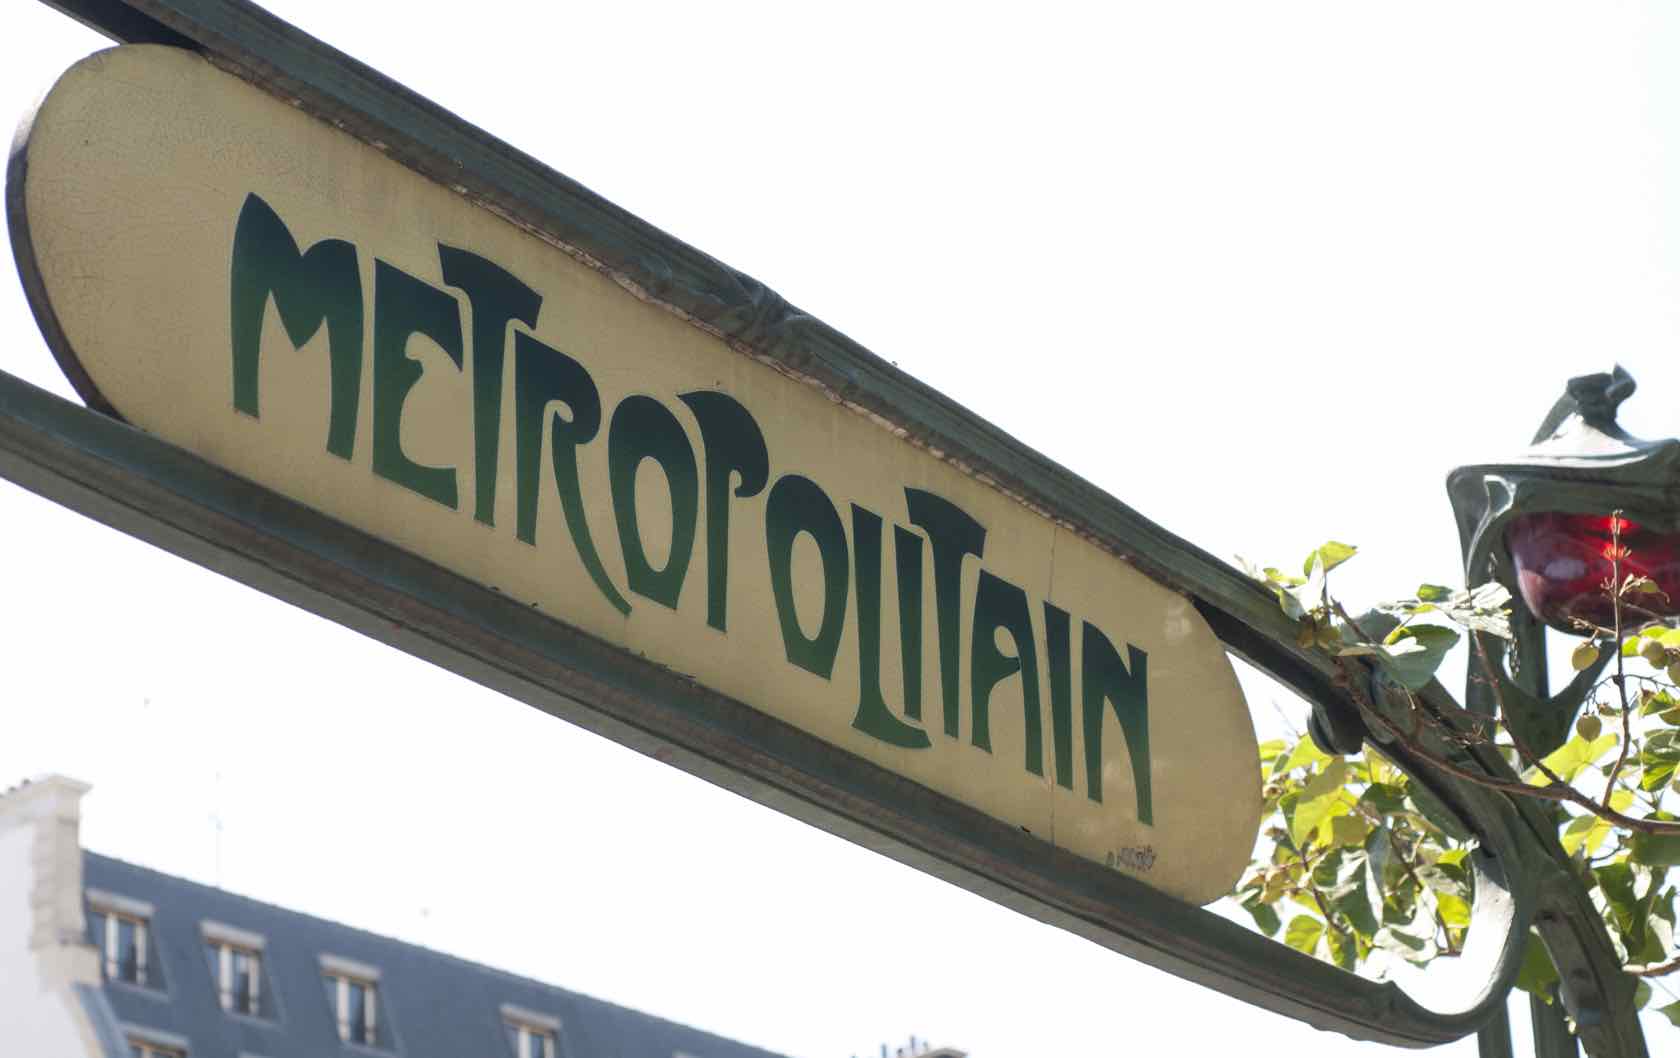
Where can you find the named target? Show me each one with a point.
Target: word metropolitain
(557, 416)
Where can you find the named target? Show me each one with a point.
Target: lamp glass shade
(1565, 562)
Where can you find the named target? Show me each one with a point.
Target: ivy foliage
(1358, 865)
(1356, 868)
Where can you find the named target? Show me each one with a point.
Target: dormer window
(236, 967)
(353, 994)
(121, 929)
(531, 1034)
(154, 1043)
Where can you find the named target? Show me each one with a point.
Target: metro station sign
(257, 287)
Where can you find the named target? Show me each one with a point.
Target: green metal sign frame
(143, 486)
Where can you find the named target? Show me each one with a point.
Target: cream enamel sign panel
(277, 297)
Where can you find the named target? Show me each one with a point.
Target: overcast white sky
(1264, 272)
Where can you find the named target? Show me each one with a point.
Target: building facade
(103, 959)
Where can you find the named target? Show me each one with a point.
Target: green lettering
(542, 374)
(642, 428)
(497, 299)
(321, 285)
(734, 448)
(907, 556)
(1105, 678)
(1000, 604)
(1058, 638)
(873, 717)
(954, 534)
(798, 505)
(404, 306)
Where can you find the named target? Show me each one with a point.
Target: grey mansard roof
(437, 1006)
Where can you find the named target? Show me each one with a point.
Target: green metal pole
(1528, 652)
(1493, 1040)
(1552, 1038)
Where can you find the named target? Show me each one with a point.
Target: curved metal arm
(1543, 722)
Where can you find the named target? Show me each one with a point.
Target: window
(353, 994)
(153, 1043)
(531, 1034)
(238, 975)
(530, 1041)
(356, 1006)
(120, 929)
(236, 968)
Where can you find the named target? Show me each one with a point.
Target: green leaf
(1484, 608)
(1433, 593)
(1655, 850)
(1412, 653)
(1584, 834)
(1303, 933)
(1401, 943)
(1271, 748)
(1265, 916)
(1455, 910)
(1570, 758)
(1332, 553)
(1454, 857)
(1305, 754)
(1380, 770)
(1656, 775)
(1343, 951)
(1655, 702)
(1537, 974)
(1322, 798)
(1671, 1012)
(1386, 798)
(1348, 829)
(1356, 904)
(1616, 882)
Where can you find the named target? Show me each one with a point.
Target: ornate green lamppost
(1584, 504)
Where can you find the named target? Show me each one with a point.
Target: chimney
(50, 809)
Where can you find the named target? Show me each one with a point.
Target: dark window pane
(242, 972)
(513, 1039)
(128, 950)
(358, 1013)
(331, 984)
(96, 929)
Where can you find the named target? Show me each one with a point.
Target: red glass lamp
(1565, 562)
(1585, 503)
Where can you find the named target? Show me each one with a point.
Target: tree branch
(1621, 672)
(1557, 790)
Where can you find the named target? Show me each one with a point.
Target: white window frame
(532, 1041)
(228, 942)
(137, 913)
(225, 953)
(154, 1043)
(532, 1028)
(343, 973)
